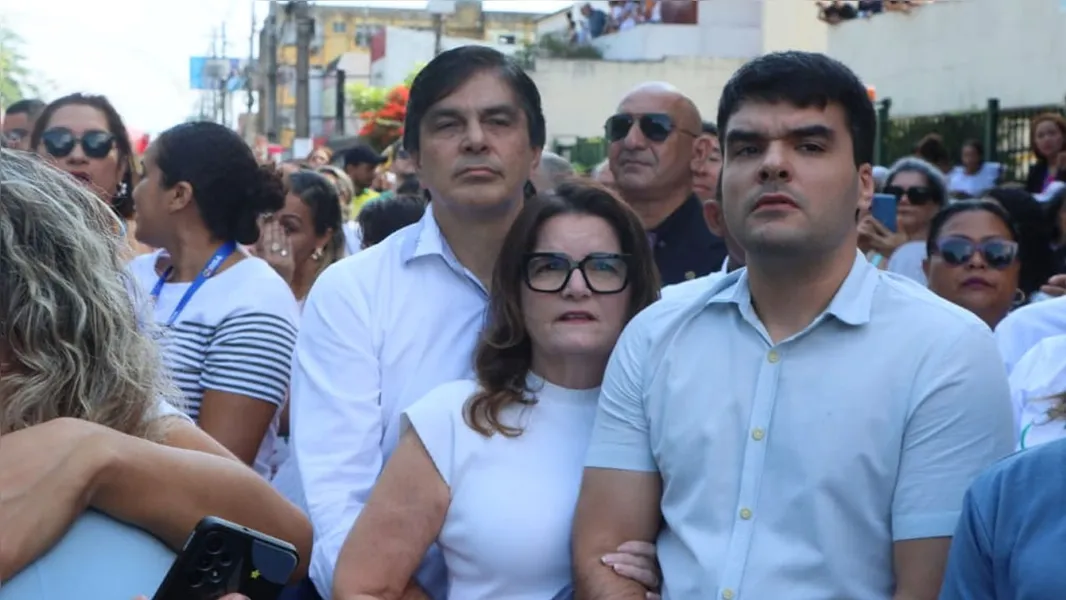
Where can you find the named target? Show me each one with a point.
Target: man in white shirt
(806, 427)
(384, 327)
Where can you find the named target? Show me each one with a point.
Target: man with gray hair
(552, 171)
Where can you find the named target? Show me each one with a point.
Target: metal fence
(1004, 133)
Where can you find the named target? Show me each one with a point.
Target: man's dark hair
(450, 70)
(804, 79)
(710, 128)
(31, 107)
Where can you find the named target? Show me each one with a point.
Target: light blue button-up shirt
(789, 470)
(380, 329)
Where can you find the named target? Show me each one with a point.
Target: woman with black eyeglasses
(920, 190)
(84, 135)
(493, 466)
(973, 259)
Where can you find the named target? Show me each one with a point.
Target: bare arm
(238, 422)
(615, 506)
(399, 523)
(167, 488)
(919, 567)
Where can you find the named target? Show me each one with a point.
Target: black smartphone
(222, 558)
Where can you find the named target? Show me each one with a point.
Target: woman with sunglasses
(920, 190)
(493, 467)
(973, 259)
(84, 135)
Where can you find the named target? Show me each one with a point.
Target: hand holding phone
(223, 558)
(883, 208)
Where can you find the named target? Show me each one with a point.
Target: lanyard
(210, 269)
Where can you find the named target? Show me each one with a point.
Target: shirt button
(727, 594)
(757, 434)
(773, 356)
(745, 514)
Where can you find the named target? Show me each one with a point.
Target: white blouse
(1037, 378)
(507, 530)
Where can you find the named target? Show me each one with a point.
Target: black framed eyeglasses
(550, 272)
(997, 253)
(60, 142)
(916, 195)
(656, 127)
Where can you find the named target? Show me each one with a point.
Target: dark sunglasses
(997, 253)
(656, 127)
(60, 142)
(550, 272)
(915, 195)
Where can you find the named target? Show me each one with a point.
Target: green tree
(363, 98)
(14, 75)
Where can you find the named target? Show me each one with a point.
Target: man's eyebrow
(498, 109)
(806, 131)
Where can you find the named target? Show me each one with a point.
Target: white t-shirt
(1039, 376)
(976, 184)
(907, 261)
(235, 335)
(507, 531)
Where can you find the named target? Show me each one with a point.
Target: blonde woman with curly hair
(98, 467)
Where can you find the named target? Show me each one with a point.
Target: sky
(137, 52)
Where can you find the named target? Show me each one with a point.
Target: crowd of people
(460, 370)
(838, 11)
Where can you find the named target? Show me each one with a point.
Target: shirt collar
(852, 304)
(425, 239)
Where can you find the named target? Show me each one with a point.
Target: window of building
(364, 33)
(340, 27)
(509, 38)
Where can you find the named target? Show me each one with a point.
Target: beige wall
(792, 25)
(954, 55)
(579, 95)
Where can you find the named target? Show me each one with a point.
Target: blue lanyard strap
(208, 272)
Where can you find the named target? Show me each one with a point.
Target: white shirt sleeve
(621, 436)
(164, 409)
(960, 422)
(336, 417)
(436, 418)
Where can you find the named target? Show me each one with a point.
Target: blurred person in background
(705, 173)
(975, 175)
(552, 171)
(1035, 241)
(361, 164)
(932, 150)
(84, 135)
(602, 174)
(319, 157)
(381, 218)
(228, 320)
(1048, 145)
(973, 259)
(345, 192)
(19, 120)
(920, 190)
(103, 476)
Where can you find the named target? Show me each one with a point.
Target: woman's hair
(1051, 213)
(1033, 234)
(932, 150)
(122, 200)
(963, 206)
(343, 183)
(1055, 118)
(505, 352)
(382, 217)
(321, 149)
(231, 189)
(935, 177)
(320, 195)
(74, 347)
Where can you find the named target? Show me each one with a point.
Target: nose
(77, 154)
(775, 166)
(977, 260)
(475, 140)
(635, 139)
(577, 287)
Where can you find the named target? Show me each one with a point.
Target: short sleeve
(960, 422)
(621, 436)
(250, 354)
(164, 409)
(437, 419)
(969, 572)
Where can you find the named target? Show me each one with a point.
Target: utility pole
(268, 103)
(223, 82)
(305, 29)
(438, 32)
(211, 75)
(249, 71)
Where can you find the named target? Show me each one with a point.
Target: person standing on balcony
(656, 146)
(595, 21)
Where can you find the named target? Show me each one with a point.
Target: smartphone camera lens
(225, 560)
(195, 579)
(214, 543)
(215, 576)
(204, 563)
